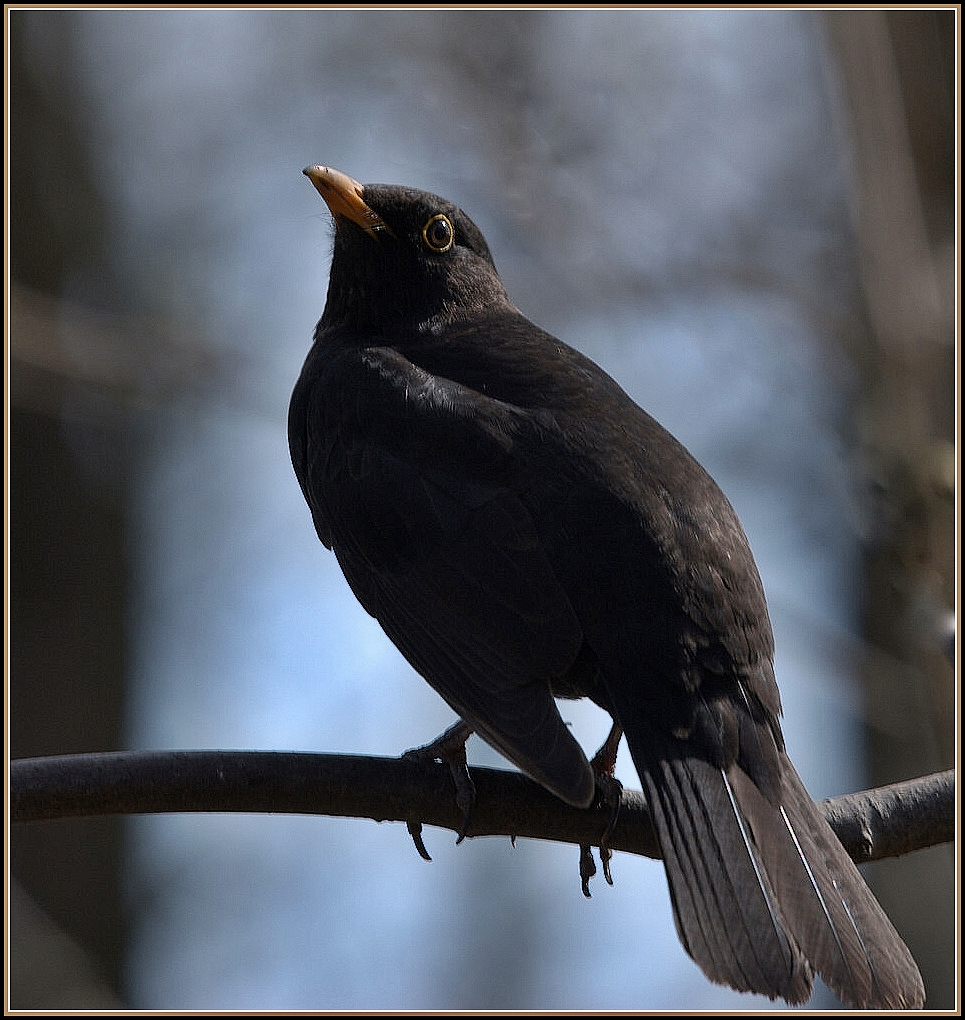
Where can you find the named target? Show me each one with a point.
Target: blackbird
(523, 531)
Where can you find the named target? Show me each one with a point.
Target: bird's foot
(587, 867)
(609, 791)
(449, 748)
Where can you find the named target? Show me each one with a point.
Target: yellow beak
(343, 196)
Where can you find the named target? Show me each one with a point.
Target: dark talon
(415, 831)
(605, 854)
(465, 794)
(587, 867)
(610, 790)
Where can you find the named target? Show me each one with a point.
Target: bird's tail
(765, 895)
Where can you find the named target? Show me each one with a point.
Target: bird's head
(404, 260)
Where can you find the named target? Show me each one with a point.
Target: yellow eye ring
(438, 234)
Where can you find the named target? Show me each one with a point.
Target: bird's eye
(438, 233)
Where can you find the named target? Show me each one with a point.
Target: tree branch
(872, 825)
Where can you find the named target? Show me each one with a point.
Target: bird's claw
(587, 867)
(609, 792)
(415, 831)
(449, 748)
(610, 795)
(612, 791)
(465, 793)
(605, 854)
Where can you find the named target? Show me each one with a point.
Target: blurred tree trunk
(896, 76)
(68, 574)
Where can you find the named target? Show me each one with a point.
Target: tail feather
(697, 910)
(843, 929)
(764, 894)
(726, 914)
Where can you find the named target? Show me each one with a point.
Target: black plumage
(522, 531)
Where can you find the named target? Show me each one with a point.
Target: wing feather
(405, 479)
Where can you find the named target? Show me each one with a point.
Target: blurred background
(747, 217)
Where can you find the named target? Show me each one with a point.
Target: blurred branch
(872, 825)
(57, 343)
